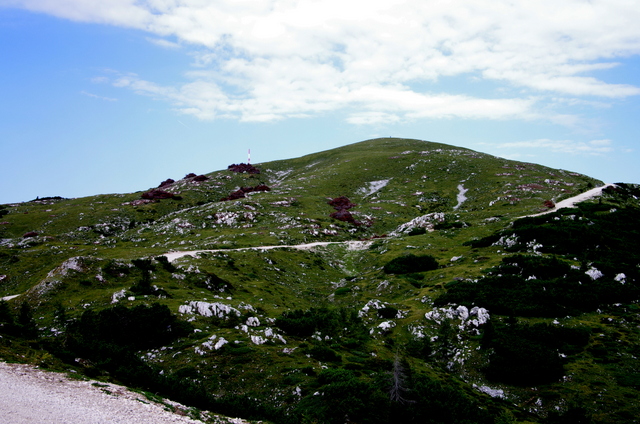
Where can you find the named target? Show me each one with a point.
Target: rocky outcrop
(345, 216)
(157, 194)
(195, 178)
(166, 183)
(243, 168)
(238, 194)
(342, 205)
(139, 202)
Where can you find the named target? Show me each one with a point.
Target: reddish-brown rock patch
(157, 194)
(238, 194)
(243, 168)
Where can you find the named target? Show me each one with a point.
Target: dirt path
(357, 245)
(572, 201)
(352, 245)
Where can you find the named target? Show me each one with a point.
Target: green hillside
(390, 279)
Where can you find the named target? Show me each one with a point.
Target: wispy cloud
(95, 96)
(164, 43)
(273, 60)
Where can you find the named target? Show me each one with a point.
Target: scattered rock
(341, 203)
(531, 187)
(139, 202)
(195, 178)
(238, 194)
(345, 216)
(157, 194)
(166, 183)
(243, 167)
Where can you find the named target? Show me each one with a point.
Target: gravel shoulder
(29, 395)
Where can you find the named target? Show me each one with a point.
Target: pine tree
(26, 323)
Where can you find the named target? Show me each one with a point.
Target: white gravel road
(572, 201)
(32, 396)
(352, 245)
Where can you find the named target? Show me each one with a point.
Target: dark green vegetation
(410, 263)
(440, 310)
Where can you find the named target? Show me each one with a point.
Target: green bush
(342, 291)
(140, 327)
(411, 263)
(166, 265)
(417, 231)
(324, 353)
(538, 286)
(589, 232)
(340, 324)
(209, 281)
(387, 312)
(7, 320)
(114, 269)
(343, 396)
(143, 264)
(419, 347)
(529, 354)
(448, 225)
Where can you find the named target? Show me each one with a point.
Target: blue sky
(116, 96)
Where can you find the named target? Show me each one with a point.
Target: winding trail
(359, 245)
(351, 245)
(572, 201)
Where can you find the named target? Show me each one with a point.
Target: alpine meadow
(390, 280)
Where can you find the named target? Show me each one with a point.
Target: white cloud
(163, 43)
(95, 96)
(593, 147)
(277, 59)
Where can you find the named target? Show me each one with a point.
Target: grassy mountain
(427, 298)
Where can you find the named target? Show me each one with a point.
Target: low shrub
(417, 231)
(410, 264)
(325, 354)
(529, 354)
(387, 312)
(209, 281)
(342, 291)
(340, 324)
(140, 327)
(538, 286)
